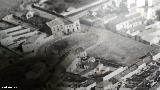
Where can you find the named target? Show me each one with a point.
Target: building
(61, 27)
(155, 25)
(97, 4)
(73, 59)
(87, 85)
(114, 73)
(125, 22)
(131, 3)
(108, 18)
(42, 12)
(140, 3)
(90, 20)
(34, 42)
(118, 2)
(5, 25)
(15, 35)
(35, 21)
(133, 32)
(151, 36)
(106, 85)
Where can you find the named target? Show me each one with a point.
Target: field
(103, 44)
(118, 48)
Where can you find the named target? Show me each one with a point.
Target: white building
(9, 35)
(150, 2)
(134, 72)
(151, 36)
(130, 3)
(156, 57)
(117, 2)
(155, 25)
(126, 22)
(140, 3)
(60, 27)
(114, 73)
(13, 37)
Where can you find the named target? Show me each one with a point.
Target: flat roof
(149, 34)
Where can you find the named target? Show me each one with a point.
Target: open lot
(100, 43)
(118, 48)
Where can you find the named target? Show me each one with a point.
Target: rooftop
(68, 3)
(150, 34)
(5, 25)
(55, 22)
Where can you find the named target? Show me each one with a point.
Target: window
(93, 88)
(77, 28)
(53, 28)
(67, 30)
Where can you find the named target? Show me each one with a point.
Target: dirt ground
(118, 48)
(109, 46)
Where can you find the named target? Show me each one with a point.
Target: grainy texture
(7, 6)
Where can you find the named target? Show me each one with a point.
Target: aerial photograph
(80, 44)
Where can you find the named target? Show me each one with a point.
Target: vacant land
(101, 43)
(118, 48)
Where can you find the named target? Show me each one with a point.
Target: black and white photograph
(79, 44)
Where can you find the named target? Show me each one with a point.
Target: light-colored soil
(118, 48)
(104, 44)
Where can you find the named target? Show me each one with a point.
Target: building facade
(60, 27)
